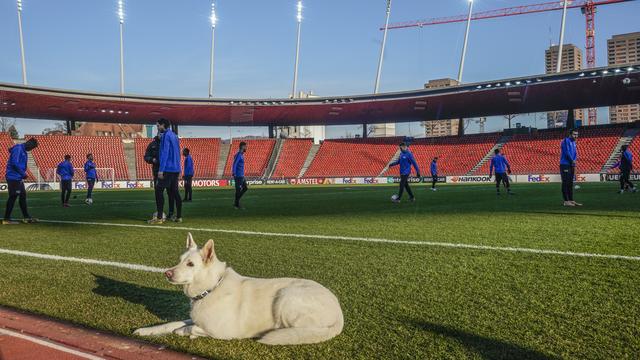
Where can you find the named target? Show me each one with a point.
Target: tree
(6, 123)
(13, 132)
(57, 128)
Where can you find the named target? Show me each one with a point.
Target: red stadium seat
(256, 159)
(353, 157)
(540, 153)
(6, 142)
(292, 157)
(204, 151)
(107, 151)
(456, 155)
(143, 170)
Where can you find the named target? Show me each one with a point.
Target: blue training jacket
(169, 152)
(500, 163)
(434, 168)
(406, 160)
(238, 165)
(625, 162)
(188, 166)
(65, 170)
(17, 164)
(90, 170)
(568, 152)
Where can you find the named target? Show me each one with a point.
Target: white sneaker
(568, 203)
(434, 189)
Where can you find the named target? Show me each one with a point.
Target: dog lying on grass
(226, 305)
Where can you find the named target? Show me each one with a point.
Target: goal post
(103, 174)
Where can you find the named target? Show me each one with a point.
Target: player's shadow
(485, 347)
(167, 305)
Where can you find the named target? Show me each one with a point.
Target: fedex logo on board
(538, 178)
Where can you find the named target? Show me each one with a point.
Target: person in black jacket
(626, 165)
(151, 156)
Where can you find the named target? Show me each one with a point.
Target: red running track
(30, 337)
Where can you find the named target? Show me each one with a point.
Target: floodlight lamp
(213, 17)
(121, 11)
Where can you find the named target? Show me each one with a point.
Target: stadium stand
(107, 150)
(634, 146)
(143, 170)
(533, 153)
(540, 152)
(457, 155)
(339, 157)
(205, 153)
(6, 142)
(292, 156)
(256, 159)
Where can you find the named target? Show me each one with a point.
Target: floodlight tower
(213, 19)
(564, 20)
(121, 21)
(24, 65)
(295, 69)
(382, 48)
(466, 41)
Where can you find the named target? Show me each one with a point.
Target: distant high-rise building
(571, 61)
(624, 49)
(445, 127)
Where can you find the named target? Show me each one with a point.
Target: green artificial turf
(399, 301)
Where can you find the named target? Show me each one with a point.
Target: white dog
(226, 305)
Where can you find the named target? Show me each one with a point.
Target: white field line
(49, 344)
(82, 260)
(363, 239)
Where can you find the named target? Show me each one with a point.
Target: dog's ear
(191, 245)
(208, 252)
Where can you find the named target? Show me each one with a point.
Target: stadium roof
(580, 89)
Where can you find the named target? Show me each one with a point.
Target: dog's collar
(203, 294)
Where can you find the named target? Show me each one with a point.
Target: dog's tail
(298, 335)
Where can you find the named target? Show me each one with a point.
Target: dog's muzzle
(169, 274)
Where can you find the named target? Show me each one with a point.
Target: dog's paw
(144, 332)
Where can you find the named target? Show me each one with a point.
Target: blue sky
(74, 44)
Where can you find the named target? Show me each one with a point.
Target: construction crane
(588, 8)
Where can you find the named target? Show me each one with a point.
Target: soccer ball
(394, 197)
(577, 187)
(89, 201)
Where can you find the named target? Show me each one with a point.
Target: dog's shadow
(167, 305)
(487, 348)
